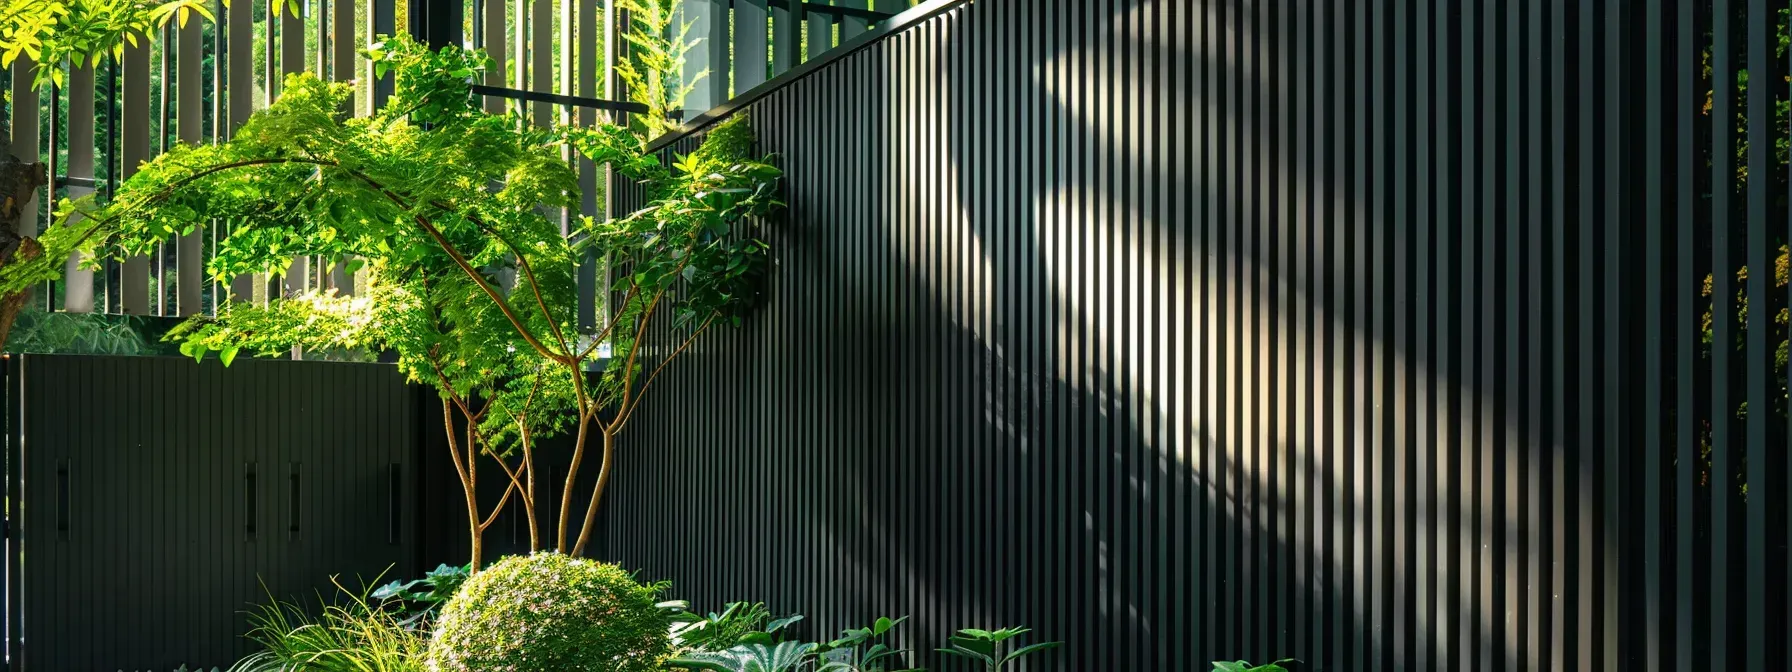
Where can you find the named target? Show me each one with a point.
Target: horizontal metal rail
(855, 12)
(559, 99)
(887, 25)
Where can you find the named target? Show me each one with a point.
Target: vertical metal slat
(189, 248)
(133, 150)
(751, 49)
(78, 282)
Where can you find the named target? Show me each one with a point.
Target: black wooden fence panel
(159, 495)
(1367, 332)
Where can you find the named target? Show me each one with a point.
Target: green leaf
(1032, 648)
(962, 652)
(227, 355)
(393, 590)
(782, 623)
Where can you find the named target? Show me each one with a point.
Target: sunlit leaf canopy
(86, 31)
(466, 275)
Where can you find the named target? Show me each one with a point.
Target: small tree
(443, 203)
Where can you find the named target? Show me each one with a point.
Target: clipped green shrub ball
(548, 612)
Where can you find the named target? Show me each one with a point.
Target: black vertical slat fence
(1382, 334)
(158, 500)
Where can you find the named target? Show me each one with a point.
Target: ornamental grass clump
(550, 612)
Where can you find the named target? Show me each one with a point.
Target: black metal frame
(887, 25)
(10, 383)
(558, 99)
(854, 12)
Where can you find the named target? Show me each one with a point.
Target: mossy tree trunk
(18, 182)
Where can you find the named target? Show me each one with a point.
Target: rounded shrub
(548, 612)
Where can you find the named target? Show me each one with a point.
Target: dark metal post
(436, 22)
(384, 23)
(11, 378)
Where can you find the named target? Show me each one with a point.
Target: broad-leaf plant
(466, 274)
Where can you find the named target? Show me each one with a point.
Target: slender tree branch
(101, 222)
(528, 467)
(628, 365)
(597, 492)
(529, 496)
(465, 267)
(630, 296)
(453, 446)
(629, 411)
(528, 270)
(572, 474)
(608, 429)
(428, 228)
(515, 485)
(466, 484)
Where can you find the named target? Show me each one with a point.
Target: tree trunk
(597, 493)
(478, 549)
(529, 495)
(18, 181)
(473, 521)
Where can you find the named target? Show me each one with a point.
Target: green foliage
(413, 203)
(53, 31)
(737, 623)
(466, 276)
(36, 331)
(1242, 666)
(654, 73)
(550, 612)
(783, 657)
(991, 647)
(743, 637)
(698, 231)
(357, 635)
(423, 596)
(864, 649)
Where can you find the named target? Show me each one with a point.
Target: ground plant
(421, 598)
(549, 612)
(993, 649)
(42, 332)
(354, 633)
(1242, 666)
(737, 623)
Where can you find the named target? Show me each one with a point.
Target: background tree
(654, 72)
(445, 204)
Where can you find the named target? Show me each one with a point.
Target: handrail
(891, 26)
(559, 99)
(837, 10)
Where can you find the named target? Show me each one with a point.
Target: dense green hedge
(549, 612)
